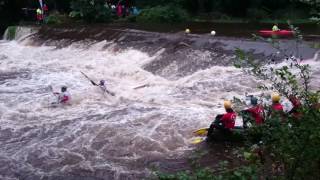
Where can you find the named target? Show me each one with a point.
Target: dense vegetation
(285, 146)
(90, 11)
(167, 10)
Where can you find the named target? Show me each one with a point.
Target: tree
(90, 10)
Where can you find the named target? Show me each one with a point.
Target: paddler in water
(102, 85)
(224, 122)
(64, 96)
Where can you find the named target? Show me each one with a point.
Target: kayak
(280, 33)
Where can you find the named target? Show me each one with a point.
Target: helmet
(227, 104)
(254, 101)
(275, 97)
(102, 82)
(63, 88)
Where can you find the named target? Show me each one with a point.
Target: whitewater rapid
(100, 136)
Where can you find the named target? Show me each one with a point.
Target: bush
(90, 10)
(291, 142)
(10, 32)
(222, 173)
(163, 14)
(53, 19)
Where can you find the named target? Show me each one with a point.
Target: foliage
(166, 14)
(11, 32)
(90, 10)
(291, 142)
(53, 19)
(222, 173)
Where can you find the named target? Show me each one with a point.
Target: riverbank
(223, 27)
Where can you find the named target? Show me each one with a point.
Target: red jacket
(277, 110)
(257, 113)
(229, 120)
(277, 107)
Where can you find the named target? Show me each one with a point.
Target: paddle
(142, 86)
(92, 82)
(95, 84)
(111, 93)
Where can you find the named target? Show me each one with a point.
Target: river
(164, 91)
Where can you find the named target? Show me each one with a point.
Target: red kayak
(280, 33)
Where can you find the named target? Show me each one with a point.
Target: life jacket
(277, 111)
(277, 107)
(64, 97)
(257, 113)
(229, 119)
(45, 7)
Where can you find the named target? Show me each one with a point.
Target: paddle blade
(201, 132)
(198, 140)
(93, 83)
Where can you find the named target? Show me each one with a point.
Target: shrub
(90, 10)
(10, 32)
(222, 173)
(163, 14)
(53, 19)
(291, 142)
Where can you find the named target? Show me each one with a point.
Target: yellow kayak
(201, 132)
(198, 140)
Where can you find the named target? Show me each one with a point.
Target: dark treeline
(11, 10)
(236, 8)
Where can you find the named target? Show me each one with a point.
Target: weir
(166, 86)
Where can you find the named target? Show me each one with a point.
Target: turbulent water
(99, 136)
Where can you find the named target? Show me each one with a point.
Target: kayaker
(275, 27)
(103, 86)
(224, 122)
(276, 109)
(296, 111)
(64, 96)
(256, 112)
